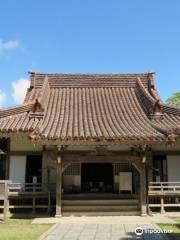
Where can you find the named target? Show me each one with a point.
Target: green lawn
(21, 229)
(175, 235)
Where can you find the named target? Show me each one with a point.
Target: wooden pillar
(149, 176)
(140, 166)
(59, 183)
(149, 165)
(143, 197)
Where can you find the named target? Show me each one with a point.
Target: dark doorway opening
(33, 168)
(4, 149)
(97, 177)
(2, 167)
(160, 168)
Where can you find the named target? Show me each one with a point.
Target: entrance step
(100, 202)
(101, 207)
(121, 213)
(100, 196)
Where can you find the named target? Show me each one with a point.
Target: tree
(174, 99)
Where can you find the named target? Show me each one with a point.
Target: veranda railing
(19, 194)
(4, 197)
(164, 194)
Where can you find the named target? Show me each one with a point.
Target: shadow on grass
(173, 236)
(147, 236)
(167, 232)
(21, 214)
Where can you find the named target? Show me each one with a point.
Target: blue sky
(88, 36)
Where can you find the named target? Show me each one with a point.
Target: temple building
(94, 142)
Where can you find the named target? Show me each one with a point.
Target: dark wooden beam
(17, 153)
(59, 183)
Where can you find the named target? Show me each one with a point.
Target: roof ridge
(45, 91)
(145, 92)
(88, 80)
(91, 73)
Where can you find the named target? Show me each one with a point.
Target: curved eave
(9, 112)
(104, 140)
(18, 123)
(152, 98)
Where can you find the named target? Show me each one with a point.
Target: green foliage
(174, 99)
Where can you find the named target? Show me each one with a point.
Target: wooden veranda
(163, 195)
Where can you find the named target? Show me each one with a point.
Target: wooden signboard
(2, 190)
(125, 181)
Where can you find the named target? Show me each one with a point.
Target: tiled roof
(93, 107)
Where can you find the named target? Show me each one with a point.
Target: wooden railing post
(8, 186)
(34, 199)
(161, 190)
(6, 204)
(49, 202)
(162, 205)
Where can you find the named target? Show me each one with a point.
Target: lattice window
(73, 169)
(121, 167)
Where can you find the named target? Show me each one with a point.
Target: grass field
(175, 235)
(21, 229)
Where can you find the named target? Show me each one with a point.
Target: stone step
(99, 196)
(101, 208)
(100, 202)
(100, 213)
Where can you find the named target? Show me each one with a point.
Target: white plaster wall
(173, 168)
(21, 142)
(17, 169)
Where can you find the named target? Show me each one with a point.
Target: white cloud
(19, 89)
(8, 45)
(2, 98)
